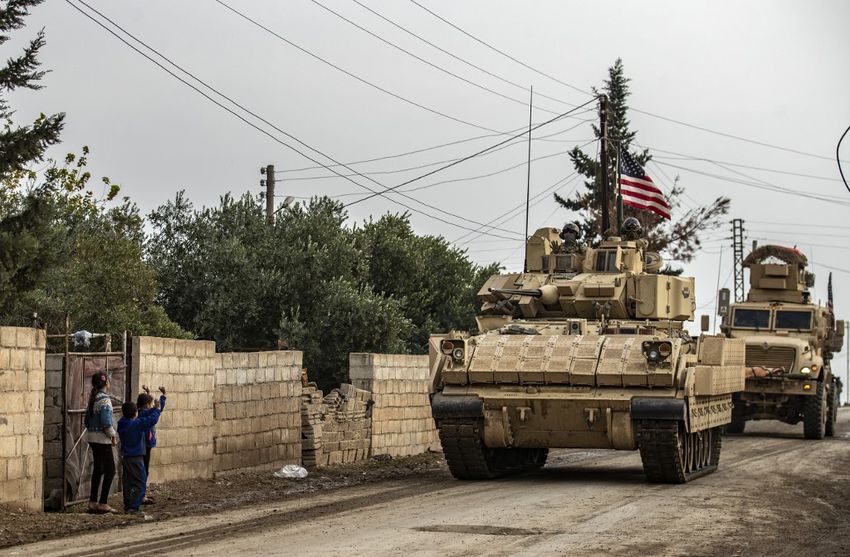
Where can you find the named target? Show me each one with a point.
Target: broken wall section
(257, 410)
(22, 353)
(402, 424)
(336, 428)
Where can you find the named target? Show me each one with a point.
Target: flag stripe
(647, 204)
(642, 195)
(646, 182)
(651, 208)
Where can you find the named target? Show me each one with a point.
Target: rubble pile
(335, 428)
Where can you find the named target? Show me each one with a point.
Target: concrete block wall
(402, 423)
(186, 368)
(53, 423)
(21, 416)
(257, 410)
(336, 428)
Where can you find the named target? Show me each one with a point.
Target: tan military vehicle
(790, 342)
(584, 350)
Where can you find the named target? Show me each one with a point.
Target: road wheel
(672, 455)
(739, 421)
(469, 459)
(815, 413)
(831, 410)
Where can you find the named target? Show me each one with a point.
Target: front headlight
(806, 370)
(457, 354)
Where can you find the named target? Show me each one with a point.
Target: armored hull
(550, 375)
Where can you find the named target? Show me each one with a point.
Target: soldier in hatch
(571, 236)
(631, 229)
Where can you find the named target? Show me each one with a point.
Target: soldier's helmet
(631, 229)
(570, 230)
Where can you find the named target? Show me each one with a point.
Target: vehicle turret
(612, 282)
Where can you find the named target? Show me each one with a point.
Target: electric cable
(449, 144)
(358, 78)
(645, 112)
(838, 157)
(427, 165)
(778, 189)
(455, 56)
(473, 155)
(505, 54)
(245, 120)
(424, 61)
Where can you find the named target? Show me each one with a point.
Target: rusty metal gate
(78, 368)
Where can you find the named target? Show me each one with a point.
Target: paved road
(775, 494)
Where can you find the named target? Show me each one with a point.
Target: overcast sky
(770, 71)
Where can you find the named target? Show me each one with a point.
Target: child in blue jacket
(145, 404)
(131, 431)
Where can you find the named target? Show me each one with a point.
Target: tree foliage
(24, 235)
(91, 245)
(307, 281)
(679, 239)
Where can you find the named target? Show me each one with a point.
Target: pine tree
(24, 240)
(678, 240)
(22, 145)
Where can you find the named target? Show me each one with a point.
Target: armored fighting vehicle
(789, 344)
(584, 350)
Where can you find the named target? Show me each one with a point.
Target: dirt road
(775, 494)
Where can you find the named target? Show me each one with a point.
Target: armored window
(751, 318)
(606, 262)
(794, 320)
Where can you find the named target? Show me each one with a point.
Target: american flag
(638, 190)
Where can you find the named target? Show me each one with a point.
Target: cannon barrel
(532, 292)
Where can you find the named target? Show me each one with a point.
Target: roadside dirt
(200, 497)
(774, 494)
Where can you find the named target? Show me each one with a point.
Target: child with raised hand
(131, 431)
(146, 403)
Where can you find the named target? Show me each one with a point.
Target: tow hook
(590, 416)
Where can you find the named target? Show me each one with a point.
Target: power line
(473, 155)
(797, 224)
(424, 61)
(647, 113)
(682, 156)
(358, 78)
(451, 143)
(778, 189)
(505, 54)
(427, 165)
(455, 56)
(838, 158)
(245, 120)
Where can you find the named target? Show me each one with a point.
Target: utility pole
(603, 163)
(738, 257)
(268, 171)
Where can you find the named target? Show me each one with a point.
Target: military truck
(790, 342)
(584, 350)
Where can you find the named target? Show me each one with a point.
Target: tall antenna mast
(602, 185)
(528, 181)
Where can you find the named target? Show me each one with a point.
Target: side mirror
(704, 323)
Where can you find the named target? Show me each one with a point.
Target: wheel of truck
(469, 459)
(739, 420)
(815, 413)
(670, 454)
(831, 410)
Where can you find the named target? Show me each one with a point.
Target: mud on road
(774, 494)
